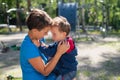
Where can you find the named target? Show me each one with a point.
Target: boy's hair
(38, 19)
(62, 24)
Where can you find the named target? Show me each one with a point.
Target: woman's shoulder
(27, 41)
(27, 45)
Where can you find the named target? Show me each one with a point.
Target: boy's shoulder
(70, 39)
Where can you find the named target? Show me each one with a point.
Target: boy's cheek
(54, 38)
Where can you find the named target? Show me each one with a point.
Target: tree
(29, 5)
(18, 15)
(90, 10)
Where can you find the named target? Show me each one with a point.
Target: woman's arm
(49, 51)
(46, 69)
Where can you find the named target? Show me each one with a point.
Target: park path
(95, 58)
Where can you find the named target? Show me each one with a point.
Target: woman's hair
(38, 19)
(62, 24)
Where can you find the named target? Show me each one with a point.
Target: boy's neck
(63, 39)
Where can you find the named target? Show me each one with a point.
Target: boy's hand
(63, 46)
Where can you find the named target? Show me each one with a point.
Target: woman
(33, 63)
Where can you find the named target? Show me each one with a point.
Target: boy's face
(57, 35)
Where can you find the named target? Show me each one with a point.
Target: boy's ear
(65, 33)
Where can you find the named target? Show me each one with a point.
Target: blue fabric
(69, 11)
(68, 76)
(50, 50)
(29, 51)
(43, 40)
(67, 62)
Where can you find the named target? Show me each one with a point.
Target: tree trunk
(108, 15)
(29, 5)
(96, 16)
(18, 16)
(83, 17)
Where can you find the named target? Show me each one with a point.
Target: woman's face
(40, 34)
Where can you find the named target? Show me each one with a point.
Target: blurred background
(89, 14)
(95, 27)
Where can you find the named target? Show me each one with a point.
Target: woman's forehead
(47, 28)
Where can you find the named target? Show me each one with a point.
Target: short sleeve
(30, 51)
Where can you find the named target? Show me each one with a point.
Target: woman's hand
(63, 46)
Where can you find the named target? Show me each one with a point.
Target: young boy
(67, 65)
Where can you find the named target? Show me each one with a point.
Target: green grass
(118, 78)
(82, 39)
(99, 75)
(14, 30)
(98, 32)
(115, 32)
(103, 77)
(17, 79)
(10, 77)
(94, 32)
(113, 44)
(3, 30)
(87, 73)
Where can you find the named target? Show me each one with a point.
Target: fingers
(68, 45)
(64, 43)
(60, 43)
(63, 46)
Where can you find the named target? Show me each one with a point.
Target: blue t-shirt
(29, 51)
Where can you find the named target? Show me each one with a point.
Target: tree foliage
(94, 9)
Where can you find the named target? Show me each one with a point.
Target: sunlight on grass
(82, 39)
(114, 33)
(118, 78)
(113, 44)
(3, 30)
(15, 73)
(94, 32)
(14, 30)
(103, 77)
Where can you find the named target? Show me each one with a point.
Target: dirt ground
(98, 60)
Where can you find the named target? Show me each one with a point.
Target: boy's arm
(48, 51)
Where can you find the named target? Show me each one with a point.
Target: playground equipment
(70, 11)
(75, 15)
(6, 48)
